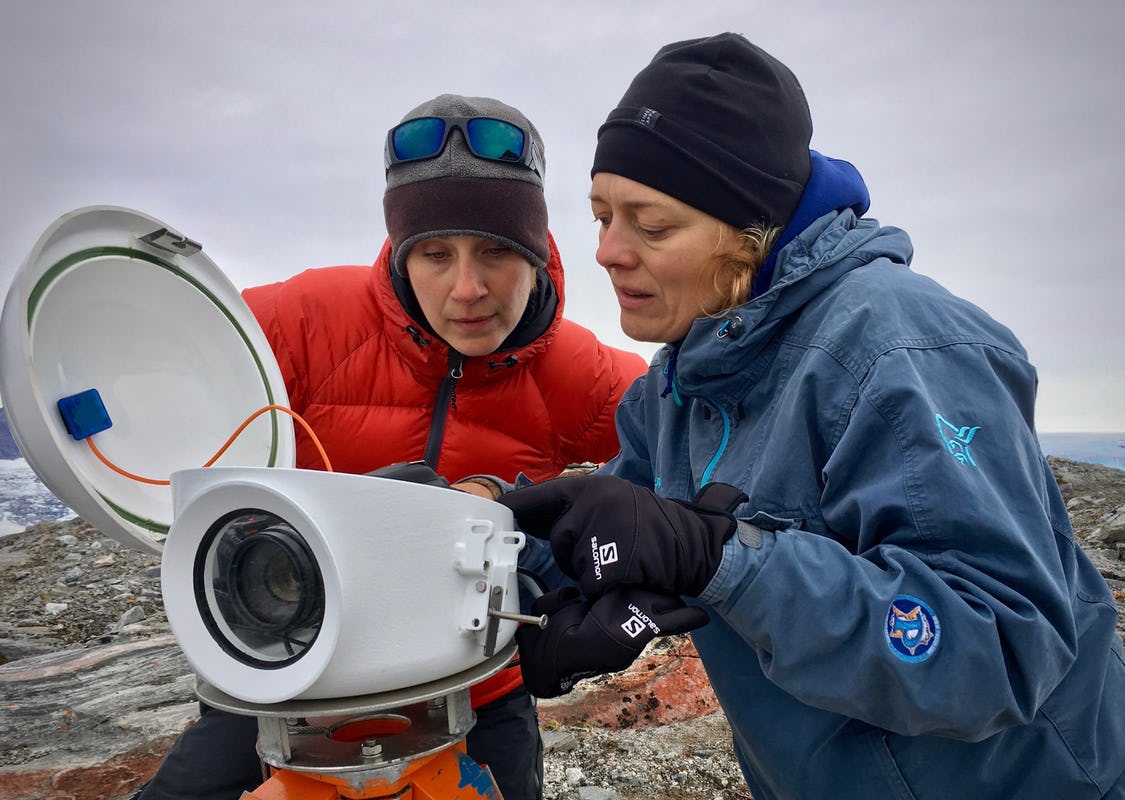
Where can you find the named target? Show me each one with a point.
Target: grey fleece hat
(459, 194)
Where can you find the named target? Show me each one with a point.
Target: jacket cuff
(743, 555)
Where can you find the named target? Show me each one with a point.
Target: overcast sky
(991, 131)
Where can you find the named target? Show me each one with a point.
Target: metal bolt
(482, 586)
(371, 748)
(539, 621)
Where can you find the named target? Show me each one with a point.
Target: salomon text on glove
(605, 531)
(584, 639)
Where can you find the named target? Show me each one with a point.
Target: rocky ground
(64, 586)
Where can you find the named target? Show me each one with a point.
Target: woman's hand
(605, 531)
(583, 639)
(480, 486)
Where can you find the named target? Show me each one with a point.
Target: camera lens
(262, 592)
(267, 575)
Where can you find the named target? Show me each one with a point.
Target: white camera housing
(408, 572)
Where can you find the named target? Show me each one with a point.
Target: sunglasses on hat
(487, 138)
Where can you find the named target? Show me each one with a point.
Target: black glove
(583, 639)
(411, 472)
(606, 531)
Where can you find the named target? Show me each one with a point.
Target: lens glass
(418, 138)
(263, 590)
(496, 139)
(265, 575)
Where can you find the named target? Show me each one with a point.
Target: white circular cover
(169, 345)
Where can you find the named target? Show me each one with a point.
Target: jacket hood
(833, 185)
(416, 339)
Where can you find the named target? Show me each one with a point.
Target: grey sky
(990, 131)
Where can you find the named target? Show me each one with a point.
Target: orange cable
(262, 410)
(223, 449)
(118, 470)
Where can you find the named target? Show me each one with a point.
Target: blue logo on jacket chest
(957, 439)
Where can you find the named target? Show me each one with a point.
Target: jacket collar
(719, 356)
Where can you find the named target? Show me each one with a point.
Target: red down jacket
(368, 378)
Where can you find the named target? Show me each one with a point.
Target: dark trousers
(506, 738)
(216, 759)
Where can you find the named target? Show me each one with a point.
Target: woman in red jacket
(451, 350)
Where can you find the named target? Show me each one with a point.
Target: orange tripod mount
(407, 744)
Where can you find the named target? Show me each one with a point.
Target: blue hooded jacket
(905, 612)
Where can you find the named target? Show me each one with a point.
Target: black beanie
(716, 123)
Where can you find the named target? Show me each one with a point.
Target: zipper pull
(417, 336)
(456, 370)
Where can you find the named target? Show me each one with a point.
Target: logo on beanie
(913, 630)
(648, 117)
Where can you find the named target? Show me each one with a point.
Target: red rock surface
(667, 684)
(111, 778)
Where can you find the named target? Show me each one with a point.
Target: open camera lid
(121, 332)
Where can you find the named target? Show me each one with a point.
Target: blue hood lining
(833, 185)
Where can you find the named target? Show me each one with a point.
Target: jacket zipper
(446, 399)
(710, 469)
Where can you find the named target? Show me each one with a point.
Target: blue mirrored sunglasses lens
(493, 138)
(418, 138)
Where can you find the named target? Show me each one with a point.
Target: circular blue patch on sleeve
(912, 629)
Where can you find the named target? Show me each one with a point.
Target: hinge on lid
(171, 242)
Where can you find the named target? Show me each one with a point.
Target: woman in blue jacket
(834, 460)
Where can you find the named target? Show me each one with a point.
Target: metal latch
(487, 557)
